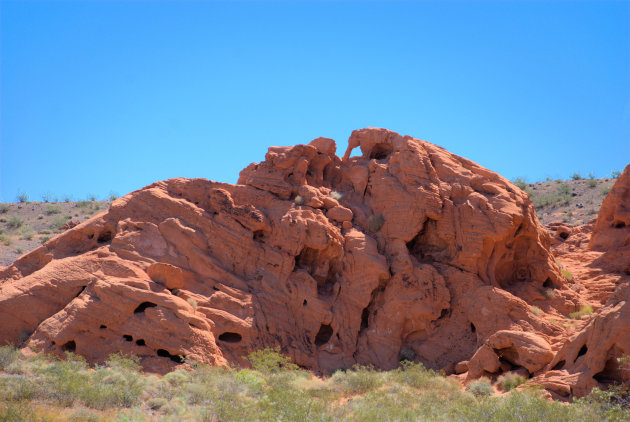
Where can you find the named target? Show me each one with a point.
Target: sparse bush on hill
(510, 381)
(606, 189)
(615, 174)
(592, 183)
(481, 387)
(576, 176)
(22, 197)
(4, 209)
(567, 275)
(520, 182)
(584, 310)
(14, 222)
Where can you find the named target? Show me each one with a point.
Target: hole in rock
(258, 235)
(143, 306)
(305, 302)
(80, 291)
(365, 317)
(105, 237)
(610, 374)
(564, 235)
(582, 352)
(91, 236)
(472, 327)
(558, 365)
(175, 358)
(127, 337)
(381, 151)
(548, 283)
(620, 225)
(308, 260)
(323, 335)
(70, 346)
(102, 327)
(215, 288)
(444, 313)
(228, 337)
(140, 342)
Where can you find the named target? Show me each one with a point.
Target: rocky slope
(404, 252)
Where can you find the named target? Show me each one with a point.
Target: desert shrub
(177, 378)
(192, 302)
(15, 222)
(606, 189)
(22, 197)
(549, 294)
(270, 361)
(19, 250)
(51, 209)
(336, 195)
(83, 204)
(576, 176)
(85, 415)
(360, 379)
(298, 200)
(113, 197)
(592, 183)
(567, 275)
(536, 310)
(26, 232)
(615, 174)
(612, 404)
(44, 239)
(5, 239)
(481, 387)
(92, 198)
(375, 222)
(4, 209)
(510, 381)
(58, 221)
(584, 310)
(520, 182)
(8, 355)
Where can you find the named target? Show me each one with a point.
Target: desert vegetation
(44, 388)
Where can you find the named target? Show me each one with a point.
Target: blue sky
(109, 96)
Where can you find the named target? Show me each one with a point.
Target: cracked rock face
(403, 252)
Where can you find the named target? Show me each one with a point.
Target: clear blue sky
(109, 96)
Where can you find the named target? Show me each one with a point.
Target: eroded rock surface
(403, 252)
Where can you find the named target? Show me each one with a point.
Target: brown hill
(405, 252)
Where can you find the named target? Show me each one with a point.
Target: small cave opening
(80, 291)
(90, 236)
(308, 260)
(365, 317)
(548, 283)
(472, 328)
(102, 327)
(323, 335)
(127, 337)
(582, 352)
(141, 342)
(610, 374)
(259, 236)
(229, 337)
(175, 358)
(558, 366)
(619, 225)
(143, 306)
(70, 346)
(305, 302)
(105, 236)
(381, 151)
(564, 235)
(444, 313)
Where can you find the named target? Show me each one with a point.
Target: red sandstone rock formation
(404, 252)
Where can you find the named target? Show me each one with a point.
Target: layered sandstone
(405, 251)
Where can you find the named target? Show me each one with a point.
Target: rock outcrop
(403, 252)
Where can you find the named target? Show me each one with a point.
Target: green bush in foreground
(44, 388)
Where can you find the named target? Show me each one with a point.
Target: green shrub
(192, 302)
(606, 189)
(520, 182)
(51, 209)
(113, 197)
(298, 200)
(22, 197)
(567, 275)
(4, 209)
(26, 232)
(481, 388)
(44, 239)
(584, 310)
(8, 355)
(15, 222)
(592, 183)
(19, 250)
(83, 204)
(510, 381)
(360, 379)
(536, 310)
(549, 294)
(615, 174)
(576, 176)
(336, 195)
(5, 239)
(270, 361)
(375, 222)
(58, 221)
